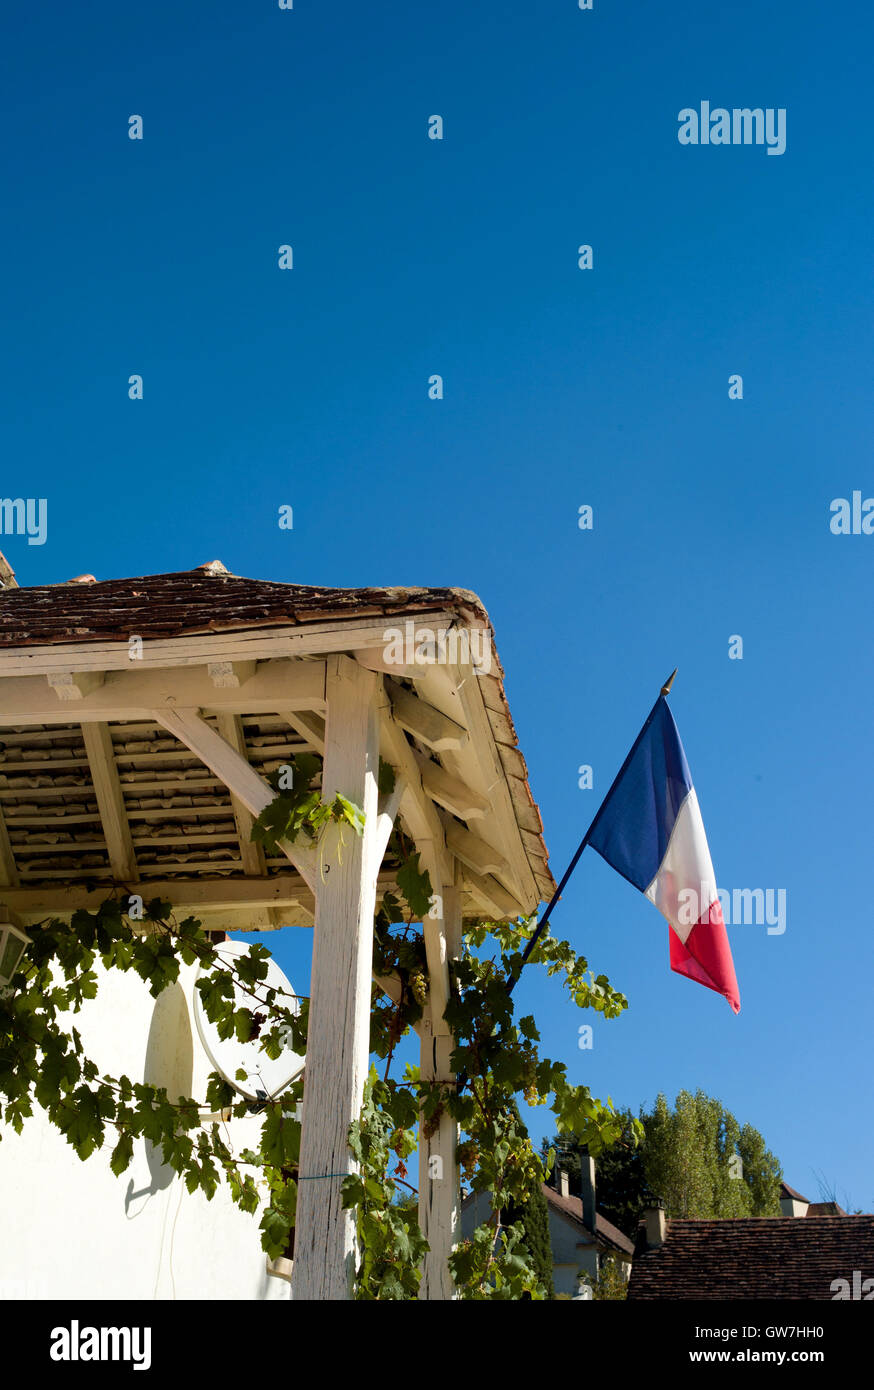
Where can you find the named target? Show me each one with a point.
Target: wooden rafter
(454, 691)
(423, 721)
(493, 898)
(230, 726)
(311, 727)
(418, 810)
(474, 851)
(110, 802)
(235, 772)
(451, 792)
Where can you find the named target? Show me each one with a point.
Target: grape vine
(43, 1062)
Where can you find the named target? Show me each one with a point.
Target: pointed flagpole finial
(669, 682)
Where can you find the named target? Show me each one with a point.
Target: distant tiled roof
(573, 1208)
(787, 1191)
(754, 1258)
(203, 600)
(824, 1209)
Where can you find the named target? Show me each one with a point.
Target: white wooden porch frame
(338, 1042)
(439, 1190)
(358, 721)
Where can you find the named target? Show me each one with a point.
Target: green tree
(703, 1164)
(620, 1188)
(611, 1285)
(694, 1155)
(762, 1173)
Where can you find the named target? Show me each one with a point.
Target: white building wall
(72, 1229)
(571, 1257)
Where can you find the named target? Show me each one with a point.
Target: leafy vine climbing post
(439, 1191)
(340, 992)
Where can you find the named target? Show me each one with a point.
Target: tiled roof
(573, 1208)
(754, 1258)
(824, 1209)
(208, 600)
(787, 1191)
(202, 600)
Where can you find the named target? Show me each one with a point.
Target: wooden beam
(286, 892)
(339, 1028)
(230, 726)
(455, 690)
(27, 700)
(373, 660)
(8, 871)
(439, 1187)
(451, 792)
(110, 802)
(230, 675)
(418, 810)
(423, 721)
(254, 644)
(236, 773)
(311, 727)
(74, 685)
(492, 897)
(473, 851)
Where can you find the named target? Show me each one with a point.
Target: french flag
(649, 829)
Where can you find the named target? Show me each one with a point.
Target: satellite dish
(264, 1074)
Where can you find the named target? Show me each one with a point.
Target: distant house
(831, 1257)
(581, 1238)
(793, 1204)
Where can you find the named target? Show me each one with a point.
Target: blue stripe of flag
(634, 824)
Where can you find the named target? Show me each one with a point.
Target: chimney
(587, 1190)
(654, 1218)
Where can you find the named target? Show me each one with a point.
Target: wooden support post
(439, 1191)
(339, 1028)
(8, 871)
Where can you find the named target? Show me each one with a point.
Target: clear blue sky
(562, 387)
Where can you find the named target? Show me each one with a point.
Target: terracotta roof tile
(209, 599)
(201, 600)
(754, 1258)
(787, 1191)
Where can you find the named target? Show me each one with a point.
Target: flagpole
(461, 1080)
(665, 690)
